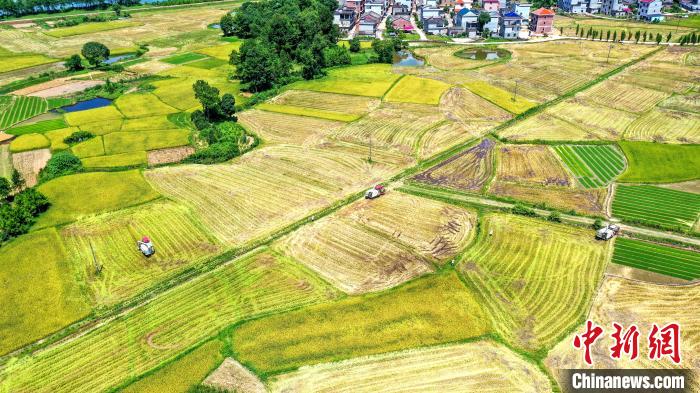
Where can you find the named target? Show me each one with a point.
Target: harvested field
(674, 262)
(532, 164)
(432, 310)
(221, 193)
(688, 186)
(603, 122)
(544, 126)
(351, 257)
(110, 238)
(460, 104)
(159, 330)
(623, 96)
(356, 105)
(443, 57)
(169, 155)
(651, 205)
(666, 126)
(449, 134)
(301, 111)
(468, 171)
(39, 293)
(591, 201)
(59, 87)
(537, 279)
(232, 376)
(398, 127)
(30, 163)
(412, 89)
(593, 166)
(482, 366)
(682, 102)
(283, 128)
(630, 302)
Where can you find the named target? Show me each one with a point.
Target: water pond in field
(404, 58)
(115, 59)
(483, 54)
(85, 105)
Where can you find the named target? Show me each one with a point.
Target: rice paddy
(468, 171)
(88, 28)
(504, 99)
(593, 166)
(372, 80)
(417, 90)
(659, 206)
(675, 262)
(660, 163)
(16, 109)
(38, 127)
(29, 142)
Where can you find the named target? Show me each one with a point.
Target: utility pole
(370, 148)
(98, 267)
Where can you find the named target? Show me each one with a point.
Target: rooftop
(543, 11)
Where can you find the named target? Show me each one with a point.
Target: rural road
(482, 201)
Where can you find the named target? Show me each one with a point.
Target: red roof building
(491, 5)
(541, 21)
(402, 24)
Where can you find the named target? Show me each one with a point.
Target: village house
(430, 12)
(402, 23)
(491, 5)
(345, 19)
(435, 25)
(691, 5)
(650, 10)
(509, 25)
(612, 8)
(357, 5)
(579, 6)
(542, 21)
(492, 26)
(522, 9)
(400, 9)
(376, 6)
(368, 23)
(466, 21)
(403, 3)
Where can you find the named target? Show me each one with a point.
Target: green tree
(259, 67)
(590, 32)
(227, 24)
(117, 8)
(335, 56)
(554, 217)
(17, 180)
(615, 36)
(234, 57)
(208, 96)
(384, 50)
(597, 224)
(694, 38)
(577, 27)
(644, 37)
(607, 36)
(60, 164)
(622, 36)
(483, 19)
(669, 36)
(658, 38)
(355, 45)
(228, 106)
(636, 36)
(5, 188)
(95, 53)
(74, 63)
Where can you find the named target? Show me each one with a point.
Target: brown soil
(166, 156)
(468, 171)
(29, 163)
(584, 201)
(231, 376)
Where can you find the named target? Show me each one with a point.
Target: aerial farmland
(352, 196)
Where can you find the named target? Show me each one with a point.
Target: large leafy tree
(208, 96)
(259, 66)
(227, 25)
(95, 52)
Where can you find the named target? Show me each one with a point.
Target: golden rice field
(266, 189)
(364, 248)
(142, 105)
(157, 331)
(370, 80)
(634, 302)
(356, 105)
(662, 125)
(545, 126)
(412, 89)
(110, 241)
(482, 366)
(459, 104)
(589, 201)
(530, 164)
(285, 128)
(467, 171)
(537, 279)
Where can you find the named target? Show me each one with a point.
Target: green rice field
(656, 206)
(20, 108)
(593, 166)
(184, 58)
(38, 127)
(656, 258)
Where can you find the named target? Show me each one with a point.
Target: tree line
(611, 35)
(18, 208)
(14, 8)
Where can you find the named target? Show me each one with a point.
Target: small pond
(405, 58)
(483, 54)
(114, 59)
(85, 105)
(214, 26)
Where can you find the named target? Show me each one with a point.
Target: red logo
(665, 342)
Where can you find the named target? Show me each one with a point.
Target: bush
(597, 224)
(355, 45)
(554, 217)
(218, 152)
(61, 164)
(17, 217)
(74, 63)
(336, 56)
(77, 137)
(523, 210)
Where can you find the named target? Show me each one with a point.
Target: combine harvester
(607, 232)
(145, 246)
(375, 192)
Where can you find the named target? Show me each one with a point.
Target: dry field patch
(460, 104)
(544, 126)
(283, 128)
(623, 96)
(534, 164)
(603, 122)
(29, 164)
(233, 376)
(467, 171)
(482, 366)
(589, 201)
(356, 105)
(662, 125)
(168, 155)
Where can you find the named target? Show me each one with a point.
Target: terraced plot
(504, 99)
(168, 325)
(371, 80)
(656, 258)
(468, 171)
(20, 108)
(416, 90)
(593, 166)
(432, 310)
(651, 205)
(481, 366)
(534, 164)
(301, 111)
(662, 125)
(356, 105)
(38, 127)
(536, 278)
